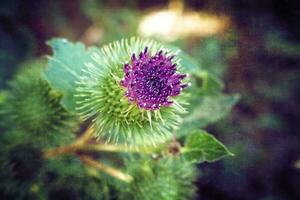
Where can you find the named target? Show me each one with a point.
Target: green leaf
(210, 56)
(210, 83)
(189, 65)
(65, 68)
(201, 146)
(205, 110)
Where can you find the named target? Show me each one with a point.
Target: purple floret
(151, 80)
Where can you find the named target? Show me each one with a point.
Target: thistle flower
(151, 80)
(132, 100)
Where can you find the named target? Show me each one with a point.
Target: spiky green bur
(100, 96)
(66, 178)
(35, 109)
(164, 179)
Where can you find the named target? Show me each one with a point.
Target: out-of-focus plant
(139, 105)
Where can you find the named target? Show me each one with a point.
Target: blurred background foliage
(253, 45)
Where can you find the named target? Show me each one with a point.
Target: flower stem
(113, 148)
(81, 141)
(109, 170)
(81, 144)
(85, 137)
(60, 150)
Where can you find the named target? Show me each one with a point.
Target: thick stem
(109, 170)
(113, 148)
(61, 150)
(81, 144)
(85, 137)
(81, 141)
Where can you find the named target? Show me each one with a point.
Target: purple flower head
(151, 80)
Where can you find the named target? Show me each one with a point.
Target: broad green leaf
(201, 146)
(189, 65)
(65, 67)
(210, 83)
(210, 56)
(204, 110)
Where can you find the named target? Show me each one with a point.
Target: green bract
(100, 97)
(163, 179)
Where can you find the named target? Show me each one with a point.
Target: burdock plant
(137, 98)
